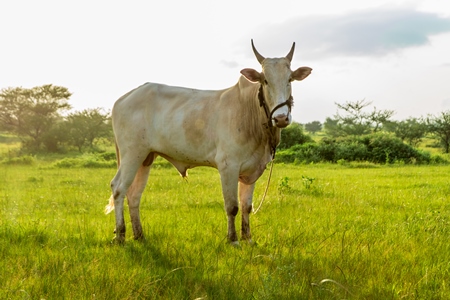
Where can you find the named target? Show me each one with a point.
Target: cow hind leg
(134, 198)
(246, 198)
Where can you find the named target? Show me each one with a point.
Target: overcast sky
(393, 53)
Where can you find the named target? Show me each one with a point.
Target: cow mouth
(281, 121)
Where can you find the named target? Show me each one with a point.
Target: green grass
(352, 232)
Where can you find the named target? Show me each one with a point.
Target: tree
(30, 113)
(411, 130)
(86, 126)
(440, 127)
(333, 128)
(56, 137)
(379, 117)
(293, 135)
(355, 121)
(313, 127)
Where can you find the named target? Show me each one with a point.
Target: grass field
(323, 232)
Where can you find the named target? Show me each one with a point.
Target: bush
(437, 159)
(86, 161)
(351, 151)
(293, 135)
(305, 153)
(108, 156)
(376, 148)
(385, 148)
(67, 163)
(20, 160)
(327, 150)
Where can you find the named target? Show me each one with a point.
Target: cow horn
(291, 53)
(259, 57)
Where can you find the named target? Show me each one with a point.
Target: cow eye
(265, 81)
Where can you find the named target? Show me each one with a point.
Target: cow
(235, 130)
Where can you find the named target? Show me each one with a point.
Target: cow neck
(272, 131)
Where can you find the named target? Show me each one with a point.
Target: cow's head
(275, 80)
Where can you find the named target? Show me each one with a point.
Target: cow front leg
(246, 198)
(116, 204)
(120, 221)
(231, 216)
(119, 186)
(229, 180)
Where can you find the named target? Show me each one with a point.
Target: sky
(395, 54)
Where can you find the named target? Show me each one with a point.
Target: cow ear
(301, 73)
(252, 75)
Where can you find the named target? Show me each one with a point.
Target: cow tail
(110, 206)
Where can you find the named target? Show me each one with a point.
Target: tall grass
(350, 233)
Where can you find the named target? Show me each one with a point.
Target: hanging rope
(267, 188)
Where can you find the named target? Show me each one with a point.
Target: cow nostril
(281, 118)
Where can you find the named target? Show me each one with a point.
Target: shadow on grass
(177, 272)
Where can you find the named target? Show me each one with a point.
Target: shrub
(327, 149)
(293, 135)
(108, 156)
(385, 148)
(86, 161)
(437, 159)
(20, 160)
(351, 151)
(375, 148)
(305, 153)
(97, 163)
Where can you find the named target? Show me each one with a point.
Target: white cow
(235, 130)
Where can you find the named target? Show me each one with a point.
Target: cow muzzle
(281, 121)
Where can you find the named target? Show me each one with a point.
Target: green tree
(439, 126)
(313, 127)
(293, 135)
(333, 128)
(411, 130)
(56, 137)
(354, 120)
(31, 113)
(86, 126)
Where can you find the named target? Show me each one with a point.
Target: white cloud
(374, 32)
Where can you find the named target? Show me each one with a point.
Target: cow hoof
(235, 244)
(118, 240)
(251, 242)
(139, 237)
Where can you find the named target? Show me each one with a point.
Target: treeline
(355, 134)
(41, 117)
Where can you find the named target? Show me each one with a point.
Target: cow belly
(245, 176)
(182, 162)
